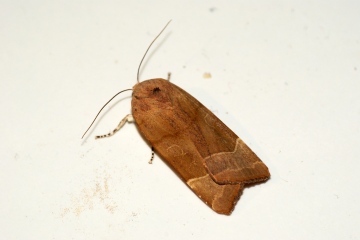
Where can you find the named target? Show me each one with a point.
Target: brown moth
(210, 158)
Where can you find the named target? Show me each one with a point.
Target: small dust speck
(355, 68)
(207, 75)
(111, 207)
(65, 211)
(212, 9)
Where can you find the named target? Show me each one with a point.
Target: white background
(285, 76)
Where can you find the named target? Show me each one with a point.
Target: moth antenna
(138, 72)
(102, 109)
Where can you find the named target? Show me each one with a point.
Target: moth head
(153, 94)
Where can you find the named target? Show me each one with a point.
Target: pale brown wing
(227, 158)
(195, 143)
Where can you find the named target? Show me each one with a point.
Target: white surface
(285, 78)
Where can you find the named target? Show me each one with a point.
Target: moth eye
(156, 90)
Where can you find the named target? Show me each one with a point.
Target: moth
(208, 156)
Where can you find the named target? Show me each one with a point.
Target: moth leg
(169, 75)
(128, 118)
(152, 155)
